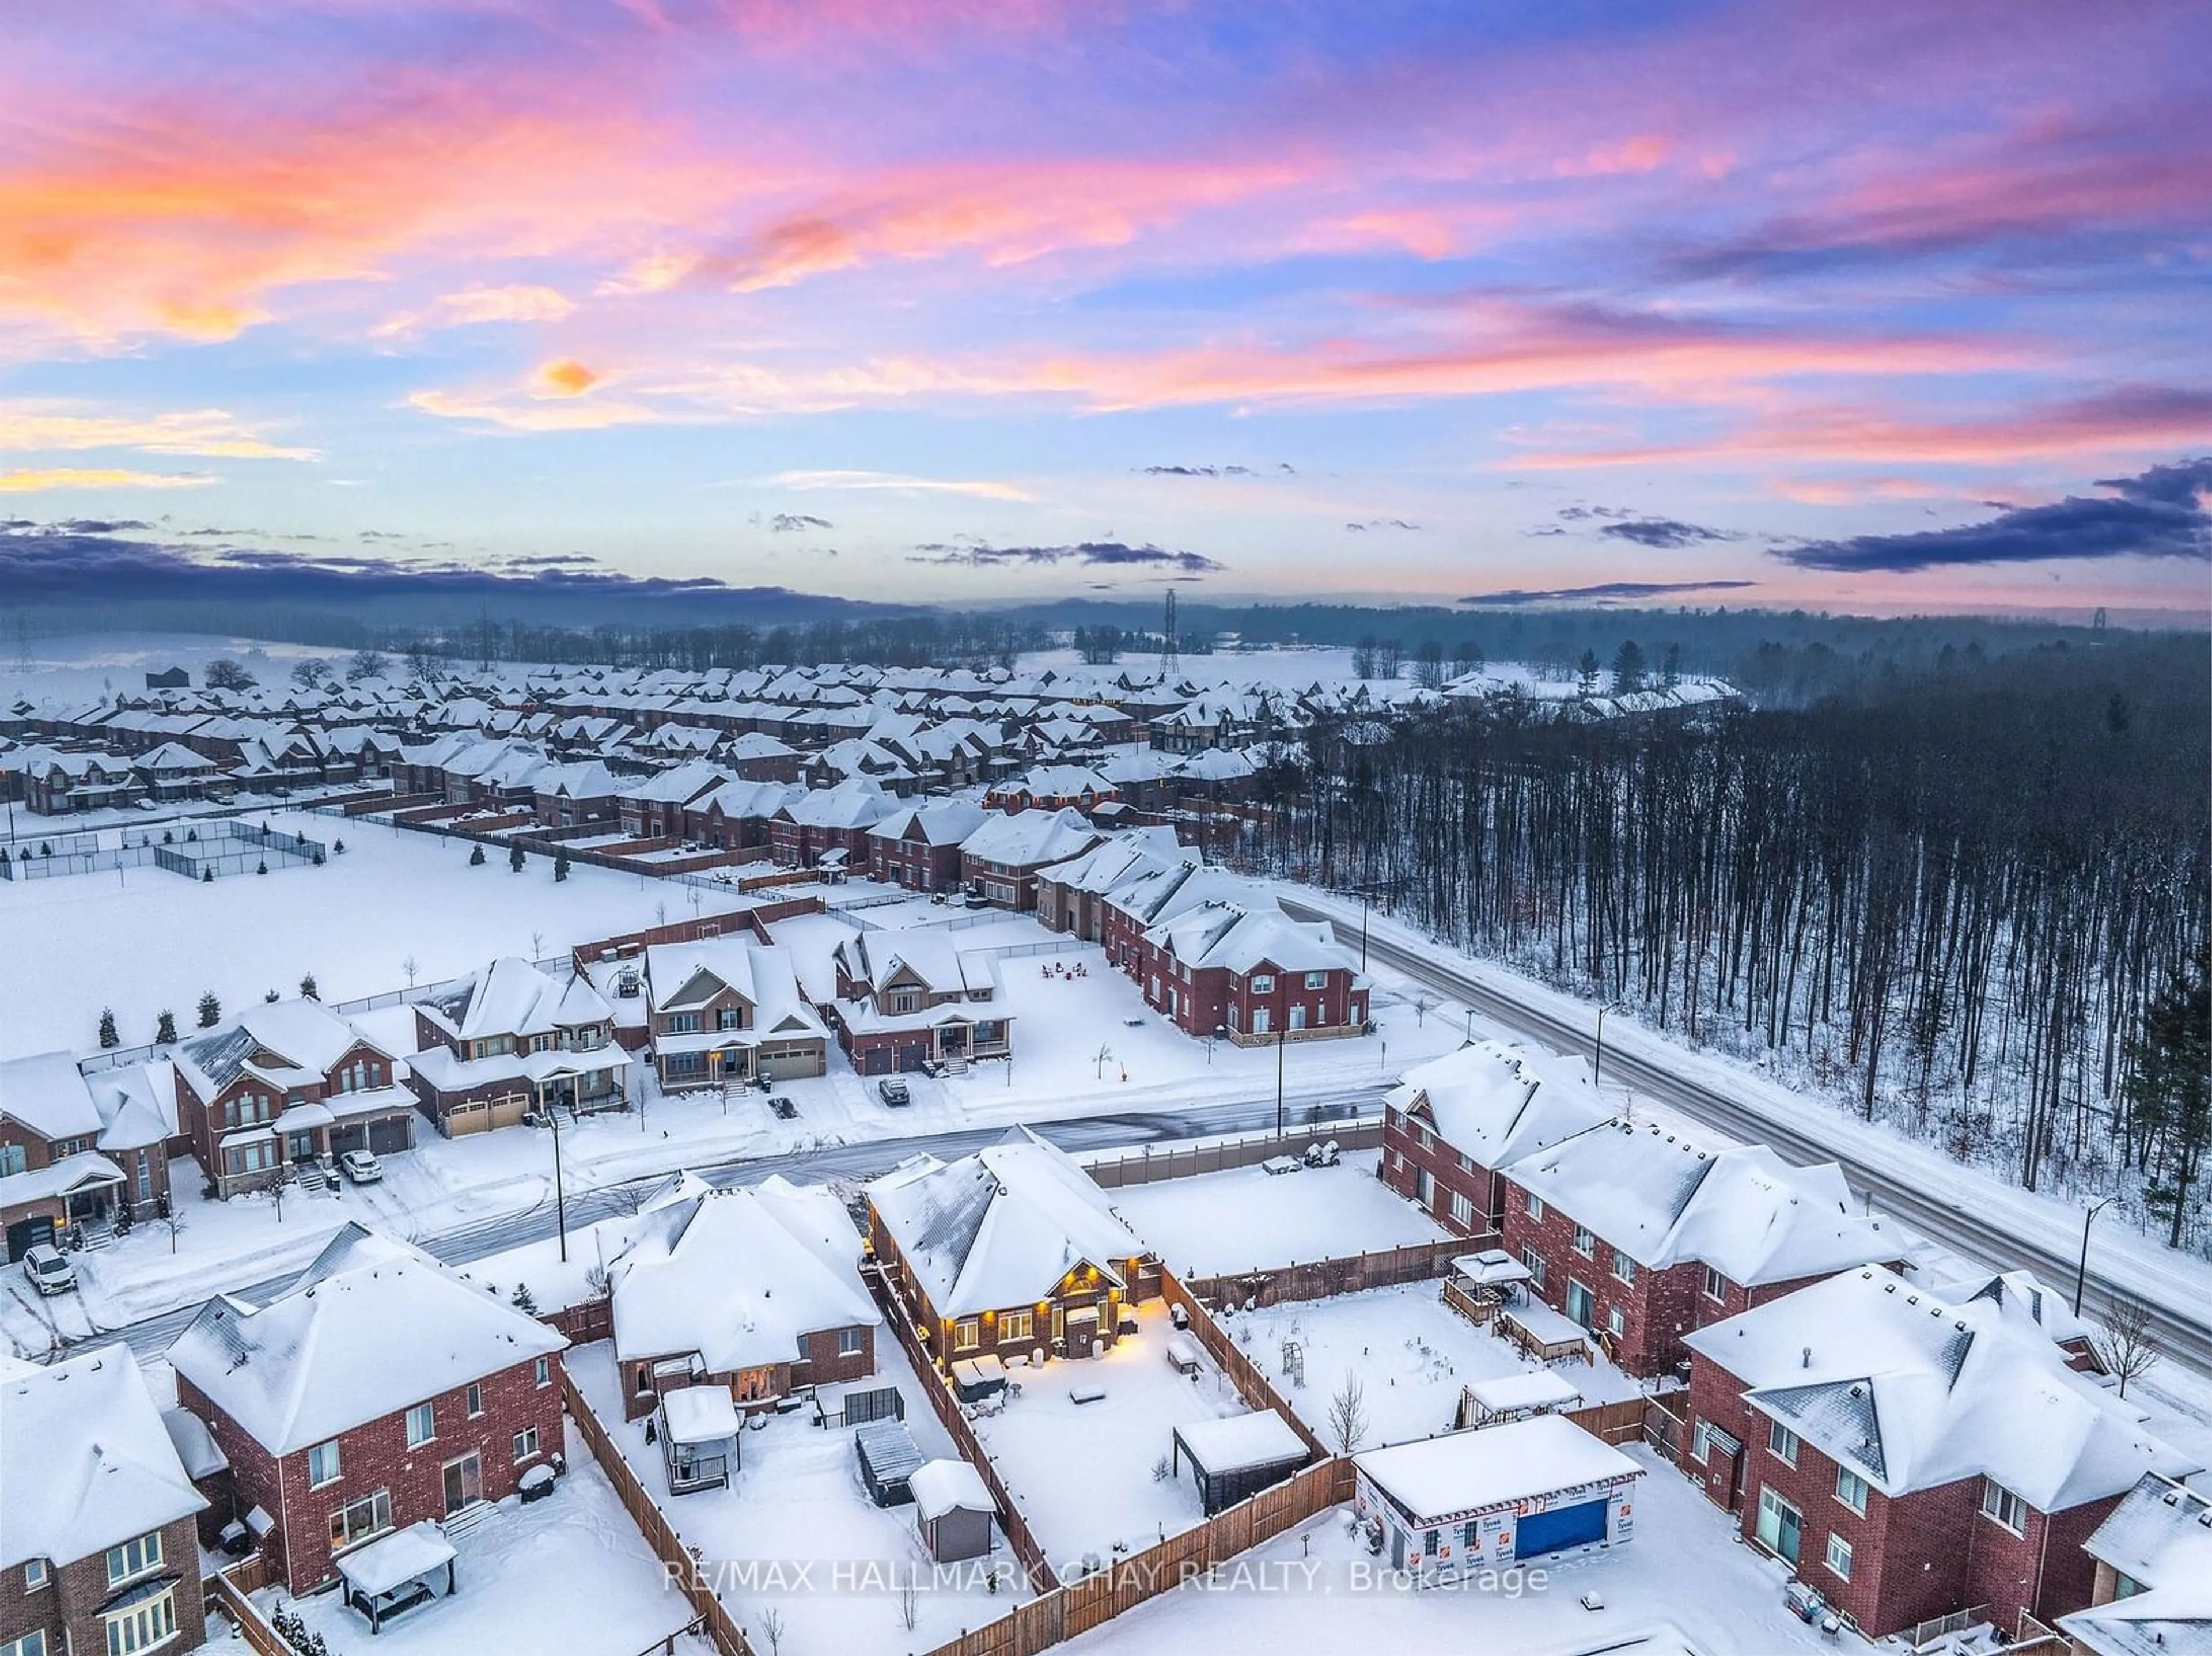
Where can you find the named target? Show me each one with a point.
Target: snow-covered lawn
(570, 1574)
(1410, 1352)
(1247, 1219)
(147, 940)
(1683, 1586)
(806, 1542)
(1082, 1473)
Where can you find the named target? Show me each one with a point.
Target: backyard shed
(953, 1509)
(698, 1431)
(1235, 1458)
(888, 1458)
(1500, 1495)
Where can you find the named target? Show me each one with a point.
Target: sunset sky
(1873, 304)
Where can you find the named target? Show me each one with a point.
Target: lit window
(1017, 1325)
(967, 1335)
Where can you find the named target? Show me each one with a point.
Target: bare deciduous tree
(1347, 1414)
(2127, 1344)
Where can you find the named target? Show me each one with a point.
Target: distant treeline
(1956, 893)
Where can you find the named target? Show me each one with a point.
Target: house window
(357, 1521)
(848, 1342)
(1852, 1490)
(134, 1558)
(14, 1159)
(1262, 1021)
(2003, 1506)
(1532, 1204)
(1263, 984)
(525, 1444)
(422, 1424)
(1462, 1209)
(1534, 1261)
(681, 1023)
(143, 1626)
(966, 1334)
(1839, 1556)
(31, 1644)
(1622, 1267)
(1715, 1284)
(1585, 1243)
(1616, 1321)
(1781, 1525)
(1017, 1325)
(542, 1371)
(729, 1017)
(322, 1464)
(1424, 1188)
(1316, 980)
(476, 1400)
(35, 1575)
(1701, 1442)
(1782, 1442)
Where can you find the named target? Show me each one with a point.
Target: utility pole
(1597, 1058)
(560, 1198)
(1282, 1036)
(2081, 1270)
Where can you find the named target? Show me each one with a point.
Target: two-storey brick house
(726, 1009)
(1643, 1236)
(1452, 1125)
(1011, 1251)
(1003, 857)
(380, 1390)
(918, 846)
(1908, 1458)
(1074, 897)
(75, 1149)
(98, 1544)
(909, 998)
(511, 1040)
(288, 1082)
(758, 1289)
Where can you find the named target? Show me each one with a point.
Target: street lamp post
(1597, 1058)
(1282, 1036)
(560, 1197)
(2081, 1270)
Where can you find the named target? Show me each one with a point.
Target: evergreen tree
(2170, 1089)
(476, 857)
(210, 1011)
(1627, 668)
(514, 858)
(522, 1300)
(1670, 672)
(307, 990)
(338, 847)
(107, 1035)
(1586, 673)
(261, 867)
(165, 1030)
(559, 865)
(207, 877)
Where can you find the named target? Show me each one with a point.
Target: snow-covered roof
(1493, 1102)
(1910, 1392)
(1244, 1442)
(879, 959)
(511, 997)
(47, 1094)
(740, 1276)
(698, 1414)
(85, 1460)
(1000, 1227)
(1027, 839)
(396, 1559)
(688, 974)
(2160, 1537)
(137, 1104)
(1436, 1478)
(939, 1487)
(303, 1033)
(373, 1327)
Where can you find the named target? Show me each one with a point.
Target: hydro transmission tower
(1168, 640)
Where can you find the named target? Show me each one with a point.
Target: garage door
(912, 1058)
(1553, 1531)
(26, 1233)
(391, 1136)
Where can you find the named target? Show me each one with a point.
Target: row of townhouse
(1907, 1451)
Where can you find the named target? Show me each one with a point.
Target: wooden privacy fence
(584, 1322)
(230, 1598)
(1665, 1430)
(1613, 1423)
(1150, 1164)
(1243, 1373)
(946, 1406)
(1180, 1559)
(1353, 1273)
(1478, 1311)
(714, 1621)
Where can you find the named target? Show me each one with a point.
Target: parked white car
(361, 1167)
(48, 1269)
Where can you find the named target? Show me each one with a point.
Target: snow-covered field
(146, 940)
(1219, 1223)
(1684, 1586)
(570, 1574)
(828, 1559)
(1410, 1353)
(1082, 1473)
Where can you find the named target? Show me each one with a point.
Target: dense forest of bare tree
(1951, 898)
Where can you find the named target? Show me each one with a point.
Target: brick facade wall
(66, 1610)
(1411, 1148)
(375, 1456)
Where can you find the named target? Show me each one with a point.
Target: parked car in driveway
(361, 1167)
(893, 1092)
(49, 1270)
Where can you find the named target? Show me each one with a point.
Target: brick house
(2154, 1558)
(574, 795)
(908, 998)
(288, 1082)
(74, 1150)
(1643, 1237)
(736, 815)
(729, 1009)
(99, 1551)
(1053, 788)
(1253, 972)
(1451, 1125)
(653, 809)
(511, 1040)
(1072, 896)
(380, 1390)
(758, 1289)
(918, 846)
(815, 822)
(1908, 1458)
(1003, 857)
(1006, 1252)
